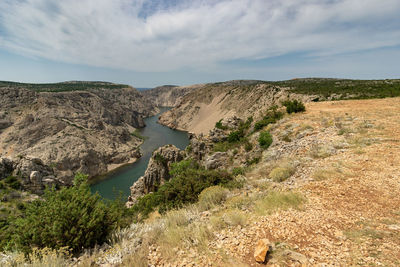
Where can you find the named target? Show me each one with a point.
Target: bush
(71, 217)
(13, 182)
(219, 125)
(248, 146)
(272, 116)
(265, 139)
(238, 171)
(294, 106)
(252, 161)
(188, 180)
(223, 146)
(235, 136)
(160, 159)
(212, 196)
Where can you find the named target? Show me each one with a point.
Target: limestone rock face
(261, 250)
(199, 146)
(199, 110)
(32, 172)
(73, 131)
(168, 95)
(157, 172)
(216, 160)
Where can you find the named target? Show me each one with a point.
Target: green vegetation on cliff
(187, 181)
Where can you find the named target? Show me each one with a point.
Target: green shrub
(223, 146)
(265, 139)
(272, 116)
(219, 125)
(294, 106)
(13, 182)
(248, 146)
(187, 181)
(238, 171)
(235, 136)
(160, 159)
(72, 217)
(252, 161)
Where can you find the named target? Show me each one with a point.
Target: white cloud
(197, 34)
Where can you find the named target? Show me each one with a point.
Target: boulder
(217, 135)
(261, 250)
(216, 160)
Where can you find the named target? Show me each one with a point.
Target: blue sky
(147, 43)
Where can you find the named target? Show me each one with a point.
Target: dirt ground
(352, 216)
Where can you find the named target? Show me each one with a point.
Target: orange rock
(261, 250)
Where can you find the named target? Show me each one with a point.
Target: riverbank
(121, 178)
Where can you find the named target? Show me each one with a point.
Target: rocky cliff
(83, 127)
(157, 172)
(201, 109)
(168, 95)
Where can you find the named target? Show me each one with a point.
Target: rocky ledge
(32, 172)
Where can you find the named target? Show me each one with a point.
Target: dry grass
(321, 151)
(235, 217)
(211, 196)
(274, 201)
(281, 173)
(45, 257)
(324, 174)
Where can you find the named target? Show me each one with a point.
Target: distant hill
(63, 86)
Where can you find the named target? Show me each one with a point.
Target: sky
(146, 43)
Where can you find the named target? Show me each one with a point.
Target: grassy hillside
(63, 86)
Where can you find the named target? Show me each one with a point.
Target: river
(157, 135)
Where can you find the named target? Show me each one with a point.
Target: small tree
(71, 217)
(265, 139)
(294, 106)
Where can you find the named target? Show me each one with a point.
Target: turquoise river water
(157, 135)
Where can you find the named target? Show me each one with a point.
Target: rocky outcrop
(85, 130)
(216, 160)
(157, 172)
(201, 109)
(168, 95)
(32, 172)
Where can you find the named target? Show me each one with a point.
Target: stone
(216, 160)
(295, 256)
(261, 250)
